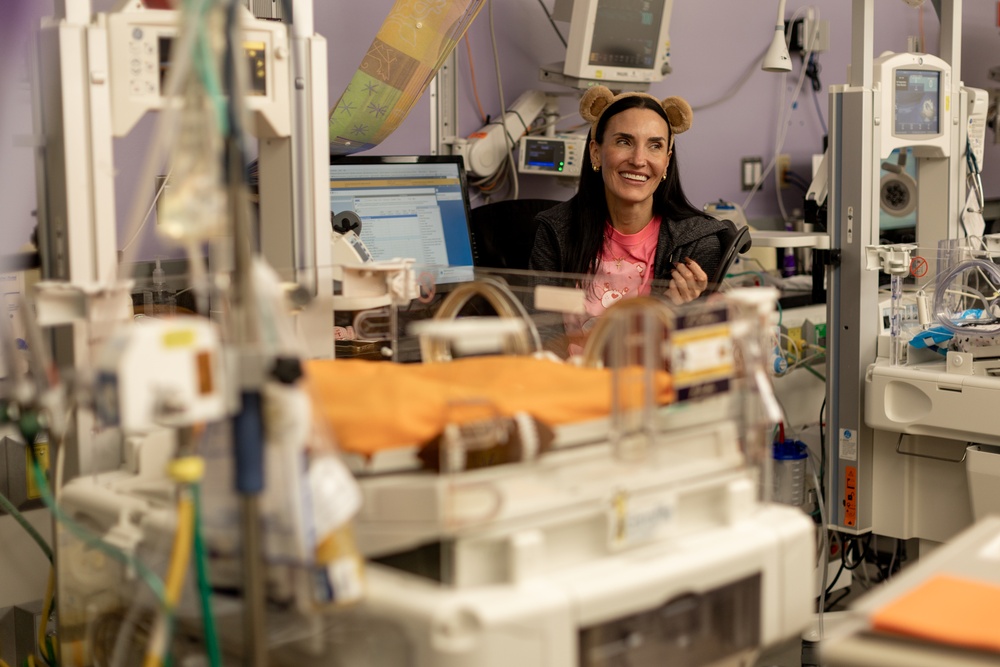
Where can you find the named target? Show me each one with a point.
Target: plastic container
(790, 472)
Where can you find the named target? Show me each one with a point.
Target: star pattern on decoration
(377, 110)
(346, 106)
(359, 130)
(371, 88)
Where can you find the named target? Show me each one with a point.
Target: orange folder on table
(948, 610)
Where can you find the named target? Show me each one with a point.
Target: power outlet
(783, 164)
(751, 169)
(808, 34)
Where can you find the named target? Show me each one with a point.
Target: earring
(597, 167)
(664, 177)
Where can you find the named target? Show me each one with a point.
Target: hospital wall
(714, 43)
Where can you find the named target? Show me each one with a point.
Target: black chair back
(504, 231)
(733, 241)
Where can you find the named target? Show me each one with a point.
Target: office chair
(733, 241)
(504, 232)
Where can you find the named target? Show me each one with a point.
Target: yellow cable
(182, 549)
(177, 569)
(50, 590)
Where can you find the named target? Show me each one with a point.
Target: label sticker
(639, 519)
(849, 444)
(850, 496)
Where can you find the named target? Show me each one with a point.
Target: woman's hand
(687, 282)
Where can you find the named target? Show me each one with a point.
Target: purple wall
(713, 41)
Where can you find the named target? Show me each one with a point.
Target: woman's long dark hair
(590, 207)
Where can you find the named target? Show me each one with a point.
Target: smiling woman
(630, 222)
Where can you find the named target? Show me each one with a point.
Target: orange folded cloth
(948, 610)
(371, 406)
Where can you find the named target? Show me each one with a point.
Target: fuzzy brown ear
(679, 112)
(594, 102)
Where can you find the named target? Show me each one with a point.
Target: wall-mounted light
(777, 59)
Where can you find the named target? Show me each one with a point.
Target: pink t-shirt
(625, 270)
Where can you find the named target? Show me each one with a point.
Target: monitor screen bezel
(911, 69)
(420, 159)
(580, 44)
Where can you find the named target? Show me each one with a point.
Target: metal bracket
(929, 456)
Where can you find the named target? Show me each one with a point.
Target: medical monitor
(913, 109)
(917, 102)
(619, 40)
(410, 207)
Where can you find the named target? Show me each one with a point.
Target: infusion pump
(561, 155)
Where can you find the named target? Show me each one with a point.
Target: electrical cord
(22, 521)
(93, 540)
(730, 92)
(796, 179)
(782, 128)
(212, 646)
(836, 578)
(892, 561)
(975, 179)
(503, 106)
(472, 75)
(861, 552)
(548, 15)
(813, 70)
(833, 603)
(44, 644)
(180, 555)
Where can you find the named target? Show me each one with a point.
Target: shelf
(775, 239)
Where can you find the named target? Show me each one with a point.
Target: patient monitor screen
(626, 33)
(916, 102)
(410, 207)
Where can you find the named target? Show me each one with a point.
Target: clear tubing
(941, 291)
(895, 327)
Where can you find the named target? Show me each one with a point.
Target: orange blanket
(372, 405)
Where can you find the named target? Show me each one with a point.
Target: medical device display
(142, 51)
(619, 40)
(409, 207)
(915, 103)
(561, 155)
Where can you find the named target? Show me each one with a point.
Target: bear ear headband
(597, 99)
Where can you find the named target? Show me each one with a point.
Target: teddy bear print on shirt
(622, 278)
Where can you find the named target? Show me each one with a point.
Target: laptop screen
(410, 207)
